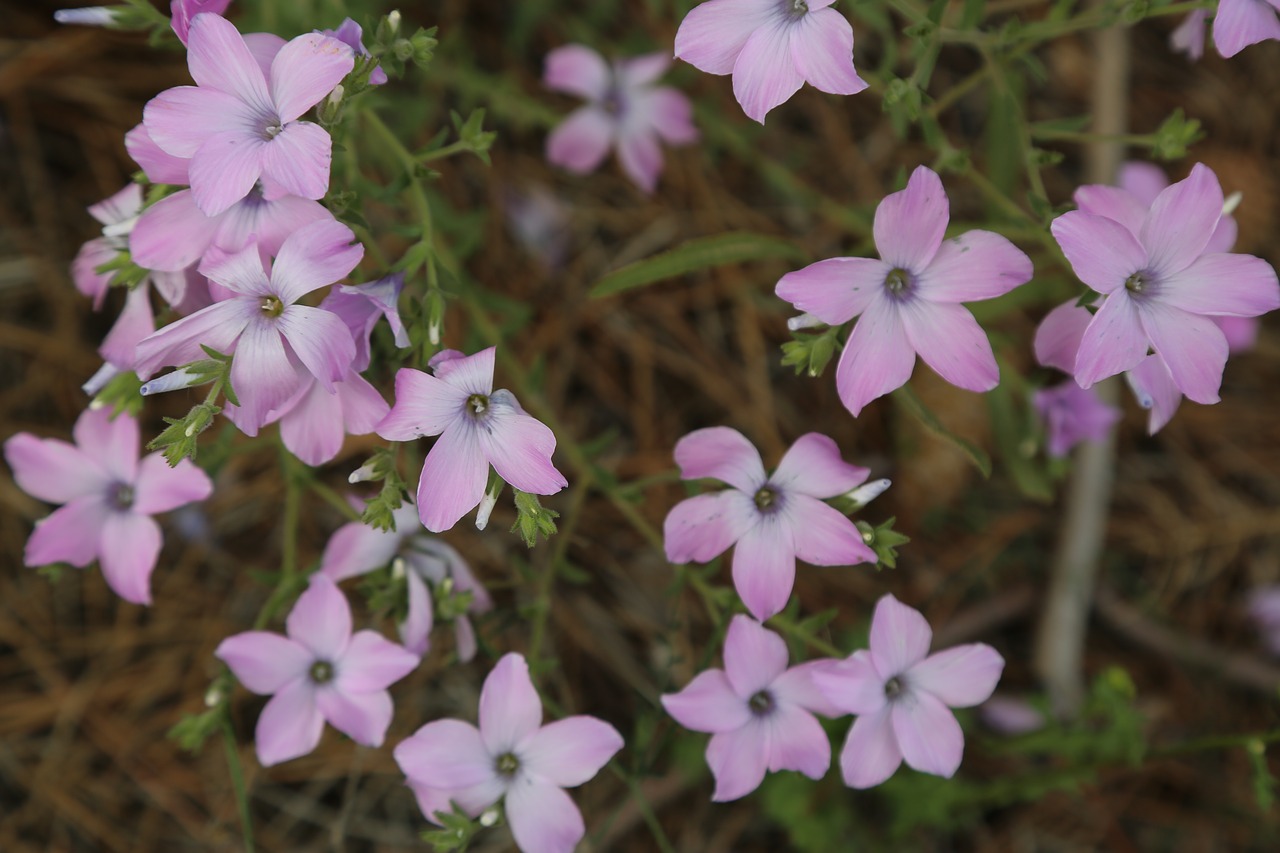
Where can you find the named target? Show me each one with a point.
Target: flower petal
(708, 704)
(909, 224)
(640, 72)
(424, 405)
(356, 548)
(1115, 203)
(1193, 348)
(870, 754)
(1144, 181)
(372, 663)
(701, 528)
(311, 424)
(723, 454)
(110, 439)
(159, 166)
(240, 271)
(835, 290)
(321, 620)
(974, 266)
(927, 733)
(53, 470)
(764, 567)
(568, 752)
(900, 637)
(813, 466)
(225, 168)
(1240, 23)
(950, 341)
(543, 818)
(1155, 390)
(577, 70)
(71, 534)
(446, 752)
(160, 488)
(1223, 285)
(822, 51)
(179, 120)
(1113, 342)
(263, 373)
(510, 709)
(753, 656)
(764, 74)
(298, 160)
(290, 725)
(1058, 337)
(797, 742)
(670, 113)
(262, 661)
(453, 478)
(320, 340)
(219, 59)
(713, 34)
(852, 685)
(823, 535)
(877, 358)
(581, 142)
(305, 71)
(796, 686)
(961, 677)
(415, 630)
(519, 447)
(172, 234)
(363, 717)
(1101, 251)
(738, 760)
(1182, 219)
(641, 158)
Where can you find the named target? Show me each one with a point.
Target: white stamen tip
(804, 321)
(1231, 202)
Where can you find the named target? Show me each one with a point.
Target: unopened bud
(487, 503)
(867, 492)
(399, 568)
(393, 21)
(105, 374)
(1231, 202)
(363, 474)
(488, 817)
(89, 16)
(804, 321)
(335, 97)
(214, 695)
(180, 378)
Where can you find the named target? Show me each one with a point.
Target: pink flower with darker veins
(772, 48)
(908, 302)
(109, 496)
(239, 125)
(511, 757)
(902, 697)
(478, 427)
(183, 11)
(625, 110)
(770, 519)
(319, 672)
(759, 712)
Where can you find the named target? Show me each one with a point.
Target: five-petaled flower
(478, 427)
(109, 496)
(759, 712)
(510, 757)
(908, 301)
(773, 519)
(320, 671)
(772, 48)
(1072, 414)
(625, 110)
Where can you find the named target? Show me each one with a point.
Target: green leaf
(697, 254)
(907, 399)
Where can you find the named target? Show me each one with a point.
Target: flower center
(898, 281)
(271, 306)
(893, 688)
(765, 498)
(613, 103)
(795, 8)
(1137, 283)
(120, 496)
(761, 703)
(271, 127)
(506, 764)
(478, 404)
(321, 672)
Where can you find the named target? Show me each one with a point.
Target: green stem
(289, 544)
(547, 579)
(1215, 742)
(646, 811)
(237, 781)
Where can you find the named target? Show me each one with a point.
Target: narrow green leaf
(907, 399)
(697, 254)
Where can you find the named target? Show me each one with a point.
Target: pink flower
(1072, 415)
(1264, 609)
(183, 11)
(319, 672)
(109, 497)
(1240, 23)
(625, 110)
(478, 427)
(511, 757)
(901, 697)
(772, 520)
(909, 302)
(772, 48)
(1161, 286)
(277, 343)
(1010, 716)
(759, 713)
(356, 549)
(1188, 38)
(237, 126)
(351, 34)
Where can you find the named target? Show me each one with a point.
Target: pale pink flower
(183, 11)
(238, 125)
(158, 165)
(1264, 609)
(1072, 414)
(511, 757)
(478, 427)
(759, 712)
(426, 562)
(1010, 716)
(770, 519)
(625, 110)
(1240, 23)
(361, 306)
(1161, 285)
(1188, 38)
(277, 343)
(902, 697)
(909, 302)
(352, 35)
(772, 48)
(319, 672)
(109, 496)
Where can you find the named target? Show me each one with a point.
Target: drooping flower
(478, 427)
(901, 697)
(182, 13)
(625, 110)
(109, 496)
(1161, 286)
(1189, 36)
(239, 127)
(759, 712)
(772, 48)
(426, 561)
(511, 757)
(276, 342)
(1240, 23)
(352, 35)
(319, 672)
(1072, 415)
(771, 519)
(909, 301)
